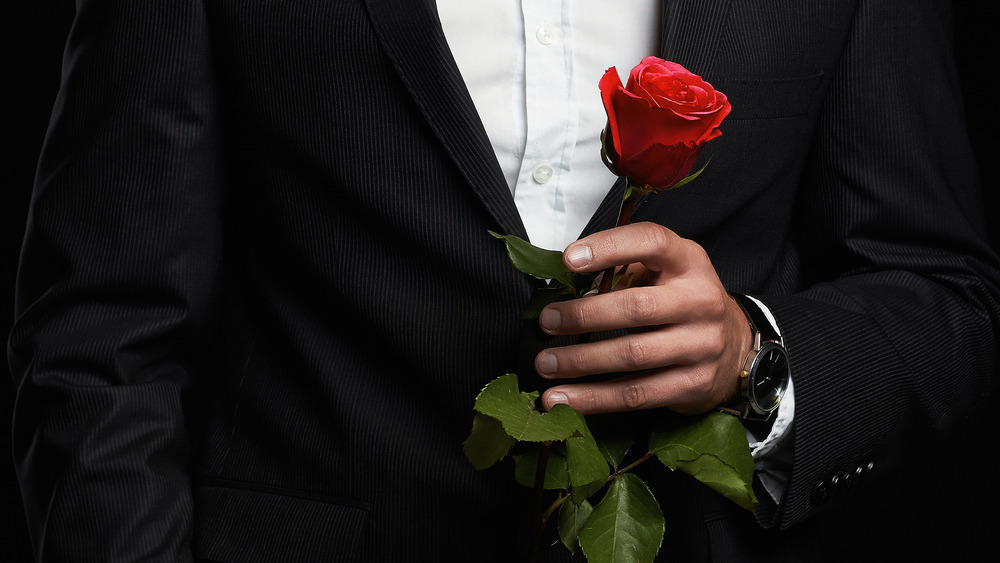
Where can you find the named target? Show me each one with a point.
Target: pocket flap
(241, 525)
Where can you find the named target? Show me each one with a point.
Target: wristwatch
(766, 370)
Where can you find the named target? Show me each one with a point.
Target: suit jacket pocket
(769, 99)
(266, 524)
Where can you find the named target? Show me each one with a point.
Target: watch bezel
(753, 369)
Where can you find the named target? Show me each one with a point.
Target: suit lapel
(411, 34)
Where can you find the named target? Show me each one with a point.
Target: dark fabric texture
(257, 297)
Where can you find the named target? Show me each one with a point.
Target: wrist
(765, 371)
(740, 344)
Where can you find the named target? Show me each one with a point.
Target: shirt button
(546, 34)
(542, 173)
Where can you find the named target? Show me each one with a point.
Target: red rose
(659, 122)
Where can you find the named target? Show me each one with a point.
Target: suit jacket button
(820, 493)
(847, 478)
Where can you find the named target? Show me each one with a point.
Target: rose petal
(640, 125)
(659, 121)
(662, 166)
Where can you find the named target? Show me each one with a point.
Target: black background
(946, 509)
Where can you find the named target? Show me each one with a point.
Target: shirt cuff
(772, 454)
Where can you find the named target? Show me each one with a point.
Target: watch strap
(755, 315)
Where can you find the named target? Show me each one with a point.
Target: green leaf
(502, 400)
(556, 473)
(690, 176)
(555, 425)
(721, 477)
(534, 261)
(488, 443)
(626, 526)
(713, 449)
(572, 518)
(614, 450)
(580, 494)
(586, 463)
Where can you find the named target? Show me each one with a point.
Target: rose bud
(659, 122)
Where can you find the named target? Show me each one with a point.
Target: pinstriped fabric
(317, 303)
(884, 203)
(440, 92)
(691, 29)
(112, 264)
(263, 513)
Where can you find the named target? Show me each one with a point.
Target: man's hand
(686, 340)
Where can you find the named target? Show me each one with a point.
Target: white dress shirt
(532, 68)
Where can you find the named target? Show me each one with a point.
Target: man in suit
(257, 298)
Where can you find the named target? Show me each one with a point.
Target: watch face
(770, 377)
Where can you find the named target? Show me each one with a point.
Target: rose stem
(540, 520)
(624, 216)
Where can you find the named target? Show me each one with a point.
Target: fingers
(684, 389)
(679, 300)
(685, 337)
(684, 367)
(665, 346)
(656, 247)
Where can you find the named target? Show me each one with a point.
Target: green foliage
(586, 464)
(556, 470)
(614, 451)
(713, 449)
(501, 399)
(627, 524)
(691, 176)
(572, 518)
(538, 262)
(488, 443)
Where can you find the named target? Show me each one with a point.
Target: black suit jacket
(257, 296)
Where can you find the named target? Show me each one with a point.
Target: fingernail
(579, 255)
(545, 363)
(550, 319)
(557, 398)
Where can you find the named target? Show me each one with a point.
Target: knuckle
(658, 238)
(574, 316)
(634, 353)
(633, 396)
(590, 402)
(715, 347)
(712, 341)
(696, 256)
(639, 305)
(697, 251)
(716, 302)
(701, 384)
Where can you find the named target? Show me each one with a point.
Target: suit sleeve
(118, 274)
(896, 337)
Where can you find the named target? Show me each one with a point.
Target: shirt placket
(550, 102)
